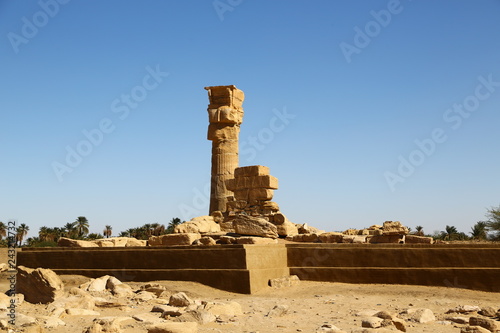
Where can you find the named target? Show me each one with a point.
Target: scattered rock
(399, 323)
(354, 239)
(254, 226)
(98, 284)
(474, 329)
(395, 239)
(155, 288)
(200, 225)
(464, 309)
(329, 328)
(201, 317)
(286, 281)
(394, 228)
(489, 324)
(167, 310)
(372, 322)
(287, 228)
(412, 239)
(488, 311)
(421, 315)
(173, 239)
(227, 239)
(278, 311)
(38, 285)
(180, 299)
(122, 290)
(331, 237)
(147, 318)
(458, 320)
(227, 309)
(112, 282)
(205, 241)
(144, 296)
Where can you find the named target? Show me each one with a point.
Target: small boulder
(39, 285)
(287, 228)
(278, 311)
(331, 237)
(173, 239)
(394, 228)
(254, 226)
(474, 329)
(200, 224)
(180, 299)
(421, 315)
(283, 282)
(372, 322)
(488, 311)
(487, 323)
(207, 241)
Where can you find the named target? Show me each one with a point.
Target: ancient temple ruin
(235, 190)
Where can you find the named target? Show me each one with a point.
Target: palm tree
(3, 230)
(450, 232)
(123, 234)
(107, 231)
(82, 226)
(172, 224)
(419, 230)
(21, 232)
(493, 223)
(479, 230)
(93, 236)
(44, 233)
(69, 230)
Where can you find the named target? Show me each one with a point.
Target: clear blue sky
(337, 95)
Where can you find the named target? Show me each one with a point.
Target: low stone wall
(468, 266)
(237, 268)
(248, 268)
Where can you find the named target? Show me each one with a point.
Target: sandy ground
(310, 305)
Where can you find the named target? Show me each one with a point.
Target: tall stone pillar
(225, 114)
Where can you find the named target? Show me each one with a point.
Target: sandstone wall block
(200, 224)
(254, 226)
(173, 239)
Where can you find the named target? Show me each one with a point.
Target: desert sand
(309, 306)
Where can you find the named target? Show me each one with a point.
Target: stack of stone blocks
(253, 189)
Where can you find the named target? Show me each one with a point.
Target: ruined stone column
(225, 114)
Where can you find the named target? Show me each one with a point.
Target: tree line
(79, 229)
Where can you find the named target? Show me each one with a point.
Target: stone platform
(238, 268)
(248, 268)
